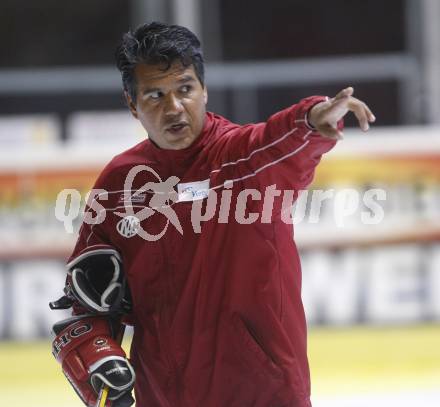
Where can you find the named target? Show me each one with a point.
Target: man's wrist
(310, 115)
(308, 123)
(304, 107)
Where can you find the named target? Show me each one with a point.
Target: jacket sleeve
(284, 151)
(94, 235)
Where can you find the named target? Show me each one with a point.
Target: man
(212, 268)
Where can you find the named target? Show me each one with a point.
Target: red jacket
(218, 318)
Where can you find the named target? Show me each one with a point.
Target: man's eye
(185, 89)
(155, 95)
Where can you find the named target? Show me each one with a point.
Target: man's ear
(131, 105)
(205, 94)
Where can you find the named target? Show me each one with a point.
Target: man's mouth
(177, 127)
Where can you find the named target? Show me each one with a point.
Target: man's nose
(173, 105)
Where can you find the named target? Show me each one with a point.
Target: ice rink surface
(351, 367)
(426, 398)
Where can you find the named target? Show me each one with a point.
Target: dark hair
(157, 43)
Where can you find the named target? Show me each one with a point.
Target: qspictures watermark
(224, 204)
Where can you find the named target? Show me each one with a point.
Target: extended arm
(286, 149)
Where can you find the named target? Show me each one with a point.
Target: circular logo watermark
(163, 195)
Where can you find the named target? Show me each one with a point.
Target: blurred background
(371, 291)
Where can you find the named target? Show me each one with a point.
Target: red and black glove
(90, 358)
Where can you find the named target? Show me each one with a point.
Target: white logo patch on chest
(129, 198)
(193, 191)
(128, 226)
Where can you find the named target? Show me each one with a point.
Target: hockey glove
(90, 358)
(96, 281)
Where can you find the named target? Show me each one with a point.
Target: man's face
(171, 104)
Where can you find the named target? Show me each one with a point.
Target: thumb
(344, 93)
(330, 132)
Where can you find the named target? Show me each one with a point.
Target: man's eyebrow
(183, 79)
(186, 78)
(150, 90)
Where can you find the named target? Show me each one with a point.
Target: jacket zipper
(165, 323)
